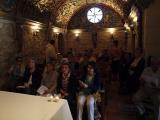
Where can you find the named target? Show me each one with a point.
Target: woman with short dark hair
(89, 85)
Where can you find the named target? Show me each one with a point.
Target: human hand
(46, 92)
(26, 85)
(85, 85)
(82, 84)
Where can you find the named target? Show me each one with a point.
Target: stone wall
(34, 42)
(8, 45)
(84, 41)
(19, 39)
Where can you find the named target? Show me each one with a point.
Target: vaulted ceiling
(60, 11)
(63, 10)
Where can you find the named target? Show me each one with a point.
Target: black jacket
(95, 85)
(36, 78)
(72, 86)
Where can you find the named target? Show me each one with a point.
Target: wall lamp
(77, 32)
(111, 30)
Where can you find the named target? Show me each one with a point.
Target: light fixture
(77, 32)
(56, 30)
(35, 27)
(134, 14)
(135, 19)
(111, 30)
(126, 26)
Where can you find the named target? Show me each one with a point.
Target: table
(15, 106)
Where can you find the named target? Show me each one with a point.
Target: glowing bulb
(77, 32)
(126, 26)
(35, 27)
(111, 30)
(135, 19)
(56, 30)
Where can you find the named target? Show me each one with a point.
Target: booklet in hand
(41, 90)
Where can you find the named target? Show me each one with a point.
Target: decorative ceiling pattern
(46, 5)
(67, 10)
(63, 10)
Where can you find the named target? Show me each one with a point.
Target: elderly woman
(89, 84)
(49, 78)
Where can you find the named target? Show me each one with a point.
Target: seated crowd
(77, 77)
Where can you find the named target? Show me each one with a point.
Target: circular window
(94, 15)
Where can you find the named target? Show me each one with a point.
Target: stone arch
(69, 8)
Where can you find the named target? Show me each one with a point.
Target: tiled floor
(119, 107)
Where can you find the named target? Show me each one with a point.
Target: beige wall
(152, 29)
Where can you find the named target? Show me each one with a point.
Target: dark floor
(119, 107)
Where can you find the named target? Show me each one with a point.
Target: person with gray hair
(49, 79)
(150, 86)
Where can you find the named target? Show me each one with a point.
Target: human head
(91, 68)
(18, 60)
(31, 63)
(52, 42)
(65, 68)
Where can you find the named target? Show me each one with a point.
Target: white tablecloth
(15, 106)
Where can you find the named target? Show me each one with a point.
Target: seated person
(31, 78)
(49, 79)
(16, 73)
(150, 80)
(89, 85)
(67, 86)
(135, 70)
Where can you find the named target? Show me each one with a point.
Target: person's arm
(95, 86)
(144, 78)
(140, 67)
